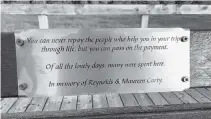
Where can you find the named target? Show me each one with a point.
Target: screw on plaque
(23, 86)
(184, 79)
(19, 42)
(184, 39)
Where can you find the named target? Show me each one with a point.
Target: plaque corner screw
(23, 86)
(19, 42)
(184, 79)
(184, 39)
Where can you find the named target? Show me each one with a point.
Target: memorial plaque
(58, 62)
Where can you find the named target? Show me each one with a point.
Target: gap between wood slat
(171, 98)
(197, 96)
(84, 102)
(204, 92)
(128, 100)
(185, 97)
(114, 100)
(143, 99)
(6, 104)
(69, 103)
(53, 103)
(100, 101)
(20, 105)
(157, 99)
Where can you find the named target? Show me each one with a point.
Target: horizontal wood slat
(65, 9)
(20, 105)
(171, 98)
(157, 99)
(37, 104)
(69, 103)
(53, 104)
(100, 101)
(205, 92)
(185, 97)
(6, 104)
(107, 2)
(84, 102)
(114, 100)
(128, 100)
(198, 96)
(143, 99)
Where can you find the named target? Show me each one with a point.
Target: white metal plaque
(58, 62)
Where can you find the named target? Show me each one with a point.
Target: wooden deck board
(114, 100)
(37, 104)
(128, 100)
(100, 101)
(171, 98)
(157, 99)
(185, 97)
(69, 103)
(20, 105)
(84, 102)
(53, 104)
(205, 92)
(209, 89)
(143, 99)
(198, 96)
(6, 104)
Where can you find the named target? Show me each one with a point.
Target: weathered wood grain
(143, 99)
(16, 22)
(128, 100)
(107, 2)
(209, 89)
(20, 105)
(58, 9)
(200, 47)
(171, 98)
(37, 104)
(194, 21)
(199, 78)
(95, 21)
(198, 96)
(53, 104)
(184, 111)
(84, 102)
(205, 92)
(100, 101)
(6, 104)
(69, 103)
(114, 100)
(185, 97)
(157, 99)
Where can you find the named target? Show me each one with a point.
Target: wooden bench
(193, 103)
